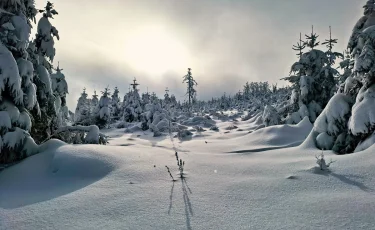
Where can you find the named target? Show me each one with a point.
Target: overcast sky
(225, 42)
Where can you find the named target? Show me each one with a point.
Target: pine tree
(84, 110)
(191, 83)
(95, 99)
(17, 88)
(312, 79)
(103, 116)
(115, 104)
(44, 52)
(133, 105)
(60, 89)
(246, 91)
(351, 112)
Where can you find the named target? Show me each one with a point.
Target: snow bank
(59, 170)
(279, 135)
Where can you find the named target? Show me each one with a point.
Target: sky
(225, 42)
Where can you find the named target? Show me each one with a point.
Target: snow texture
(97, 187)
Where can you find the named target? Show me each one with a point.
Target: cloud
(229, 42)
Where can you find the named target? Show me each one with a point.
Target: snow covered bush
(184, 134)
(323, 165)
(270, 116)
(81, 135)
(155, 118)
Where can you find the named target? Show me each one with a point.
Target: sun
(153, 50)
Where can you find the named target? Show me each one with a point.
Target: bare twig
(170, 174)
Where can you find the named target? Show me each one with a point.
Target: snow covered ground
(235, 180)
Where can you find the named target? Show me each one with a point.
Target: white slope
(126, 185)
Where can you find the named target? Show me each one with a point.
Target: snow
(5, 122)
(236, 176)
(26, 70)
(9, 75)
(270, 116)
(365, 144)
(325, 141)
(45, 78)
(93, 135)
(22, 29)
(334, 115)
(126, 185)
(12, 110)
(363, 112)
(14, 139)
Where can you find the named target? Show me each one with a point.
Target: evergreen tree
(83, 110)
(191, 83)
(44, 52)
(60, 89)
(312, 80)
(133, 106)
(103, 116)
(115, 103)
(17, 82)
(94, 100)
(347, 123)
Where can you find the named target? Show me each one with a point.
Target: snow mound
(54, 173)
(205, 122)
(279, 135)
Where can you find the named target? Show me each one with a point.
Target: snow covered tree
(155, 118)
(94, 100)
(83, 110)
(246, 90)
(133, 106)
(167, 99)
(330, 73)
(43, 50)
(154, 97)
(349, 121)
(115, 104)
(146, 98)
(191, 83)
(60, 89)
(17, 88)
(103, 114)
(312, 80)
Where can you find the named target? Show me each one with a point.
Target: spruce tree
(312, 78)
(115, 104)
(83, 110)
(348, 121)
(133, 105)
(17, 81)
(103, 116)
(44, 52)
(191, 83)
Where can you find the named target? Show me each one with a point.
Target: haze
(226, 43)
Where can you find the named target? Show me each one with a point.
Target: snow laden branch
(81, 134)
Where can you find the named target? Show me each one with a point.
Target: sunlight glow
(153, 50)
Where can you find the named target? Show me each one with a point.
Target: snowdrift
(279, 136)
(59, 170)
